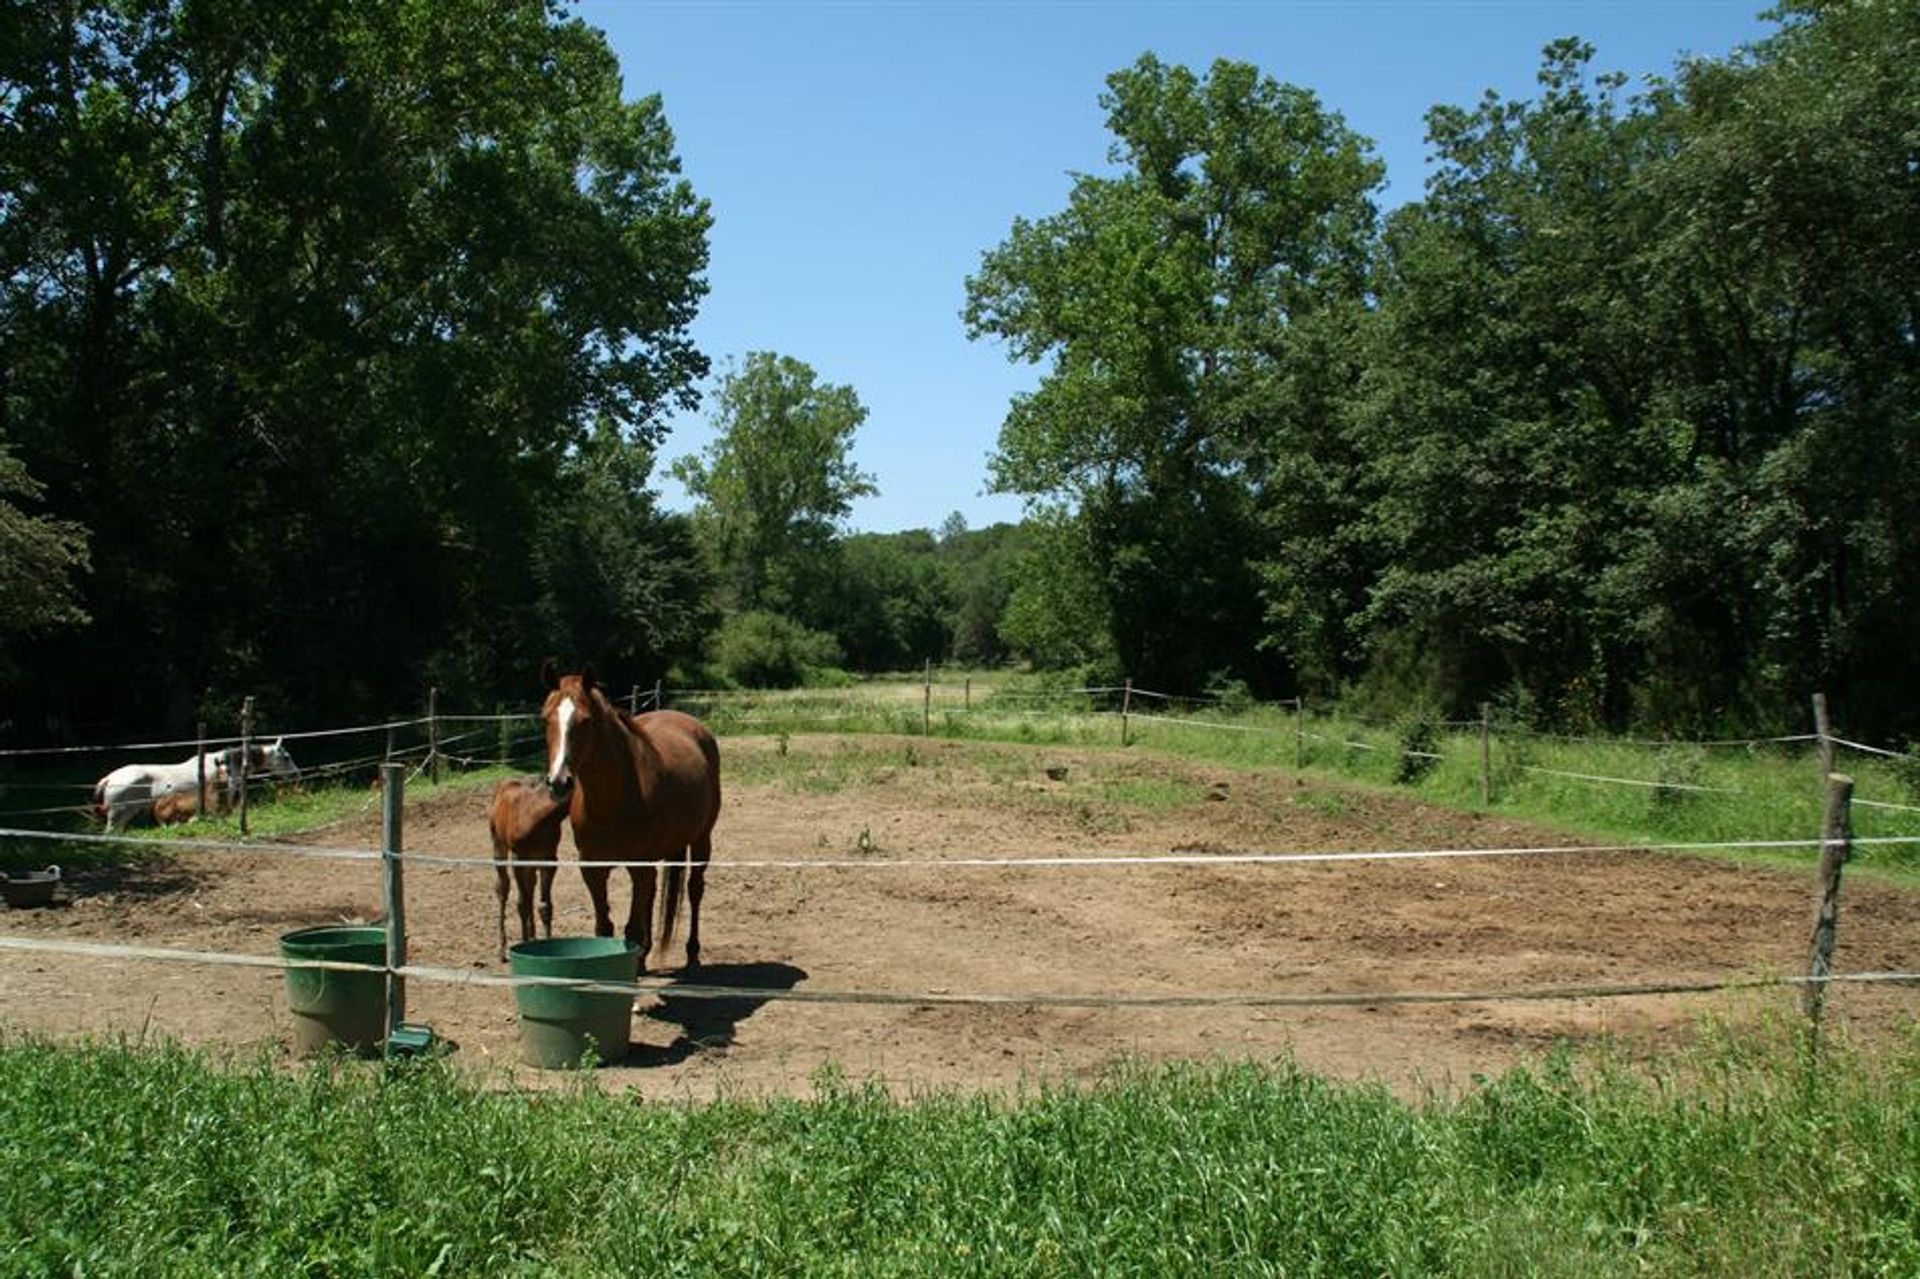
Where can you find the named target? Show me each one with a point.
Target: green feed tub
(334, 1007)
(559, 1025)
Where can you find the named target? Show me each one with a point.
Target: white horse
(129, 791)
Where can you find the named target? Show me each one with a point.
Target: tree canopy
(311, 316)
(1165, 300)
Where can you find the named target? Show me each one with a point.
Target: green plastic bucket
(333, 1007)
(558, 1025)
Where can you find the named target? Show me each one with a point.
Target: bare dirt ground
(1367, 927)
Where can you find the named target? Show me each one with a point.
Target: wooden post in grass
(657, 703)
(1299, 733)
(966, 694)
(246, 755)
(1823, 734)
(633, 701)
(926, 702)
(1486, 758)
(200, 766)
(1126, 707)
(1836, 845)
(433, 735)
(393, 785)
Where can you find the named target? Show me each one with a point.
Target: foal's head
(572, 719)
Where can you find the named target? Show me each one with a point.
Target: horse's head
(570, 718)
(277, 761)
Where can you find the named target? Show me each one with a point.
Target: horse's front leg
(640, 914)
(500, 890)
(596, 877)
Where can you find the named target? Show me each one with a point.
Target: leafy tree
(621, 578)
(776, 482)
(304, 310)
(41, 559)
(1164, 299)
(1630, 441)
(1055, 615)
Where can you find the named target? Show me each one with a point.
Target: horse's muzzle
(561, 788)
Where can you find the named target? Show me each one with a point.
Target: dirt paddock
(1478, 925)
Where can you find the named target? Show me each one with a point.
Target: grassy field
(1742, 1161)
(1618, 790)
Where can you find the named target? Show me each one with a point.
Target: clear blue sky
(859, 158)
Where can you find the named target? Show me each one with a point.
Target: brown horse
(640, 788)
(525, 820)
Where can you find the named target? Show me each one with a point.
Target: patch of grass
(124, 1162)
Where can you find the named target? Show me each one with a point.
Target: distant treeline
(337, 347)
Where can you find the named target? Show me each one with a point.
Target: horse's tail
(673, 881)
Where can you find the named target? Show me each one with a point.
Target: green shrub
(767, 650)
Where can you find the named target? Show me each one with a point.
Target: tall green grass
(162, 1162)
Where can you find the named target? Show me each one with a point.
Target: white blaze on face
(557, 772)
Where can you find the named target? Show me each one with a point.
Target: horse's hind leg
(696, 889)
(640, 914)
(674, 876)
(596, 879)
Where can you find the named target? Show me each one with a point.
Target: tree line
(338, 345)
(1620, 423)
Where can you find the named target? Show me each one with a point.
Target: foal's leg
(596, 877)
(546, 897)
(523, 877)
(696, 889)
(640, 914)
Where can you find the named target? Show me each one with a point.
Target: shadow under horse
(708, 1021)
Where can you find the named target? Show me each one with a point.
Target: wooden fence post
(393, 785)
(1126, 708)
(1823, 734)
(657, 703)
(1299, 733)
(966, 694)
(1486, 758)
(433, 735)
(926, 702)
(200, 766)
(246, 756)
(633, 701)
(1836, 845)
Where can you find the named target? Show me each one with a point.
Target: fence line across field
(1333, 856)
(670, 987)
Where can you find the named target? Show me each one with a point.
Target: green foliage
(767, 650)
(776, 482)
(1625, 437)
(137, 1162)
(41, 560)
(1163, 299)
(307, 311)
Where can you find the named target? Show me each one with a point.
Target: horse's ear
(586, 677)
(549, 674)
